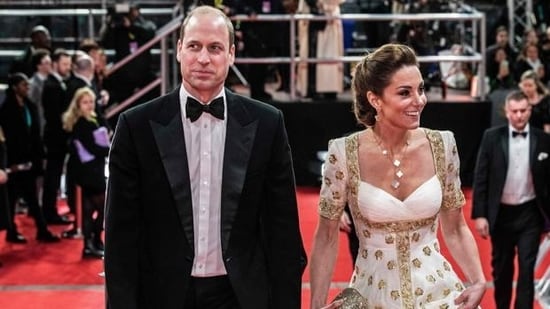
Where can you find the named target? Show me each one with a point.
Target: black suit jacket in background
(492, 166)
(55, 102)
(149, 215)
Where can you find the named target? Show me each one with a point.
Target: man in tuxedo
(201, 207)
(511, 199)
(55, 101)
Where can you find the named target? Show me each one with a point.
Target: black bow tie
(194, 108)
(516, 133)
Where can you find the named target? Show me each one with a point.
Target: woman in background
(538, 96)
(21, 124)
(89, 149)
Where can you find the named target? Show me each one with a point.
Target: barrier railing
(478, 28)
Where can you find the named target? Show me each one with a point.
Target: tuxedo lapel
(533, 140)
(504, 143)
(240, 135)
(168, 133)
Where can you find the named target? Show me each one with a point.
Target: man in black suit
(201, 206)
(511, 199)
(55, 101)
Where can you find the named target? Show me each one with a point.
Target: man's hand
(482, 227)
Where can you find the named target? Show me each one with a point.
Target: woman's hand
(471, 297)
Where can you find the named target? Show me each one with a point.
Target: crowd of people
(199, 209)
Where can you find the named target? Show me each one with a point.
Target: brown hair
(205, 10)
(374, 73)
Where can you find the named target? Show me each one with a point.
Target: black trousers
(23, 185)
(518, 229)
(55, 161)
(211, 293)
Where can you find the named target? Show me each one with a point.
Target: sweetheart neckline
(391, 195)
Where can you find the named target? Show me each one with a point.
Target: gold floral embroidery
(400, 226)
(389, 239)
(381, 284)
(450, 168)
(419, 292)
(394, 295)
(379, 255)
(446, 266)
(459, 287)
(328, 182)
(417, 263)
(427, 251)
(429, 298)
(366, 233)
(416, 236)
(403, 265)
(430, 278)
(369, 281)
(339, 175)
(446, 292)
(364, 253)
(436, 247)
(336, 195)
(444, 306)
(332, 159)
(391, 265)
(329, 209)
(439, 273)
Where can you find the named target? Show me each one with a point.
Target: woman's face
(500, 55)
(21, 89)
(532, 52)
(403, 100)
(528, 86)
(86, 105)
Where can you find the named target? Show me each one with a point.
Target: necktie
(194, 108)
(516, 133)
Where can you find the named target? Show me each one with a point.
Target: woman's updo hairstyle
(374, 73)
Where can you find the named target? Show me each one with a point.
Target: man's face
(502, 38)
(518, 113)
(205, 55)
(63, 66)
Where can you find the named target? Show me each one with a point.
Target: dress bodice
(399, 264)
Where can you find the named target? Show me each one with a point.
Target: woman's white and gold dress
(399, 264)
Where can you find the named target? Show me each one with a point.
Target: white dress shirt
(518, 187)
(205, 144)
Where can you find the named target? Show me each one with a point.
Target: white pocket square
(542, 156)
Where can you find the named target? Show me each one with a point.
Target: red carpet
(38, 275)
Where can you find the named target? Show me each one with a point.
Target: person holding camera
(125, 31)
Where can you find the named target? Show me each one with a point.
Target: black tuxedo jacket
(55, 102)
(492, 166)
(149, 221)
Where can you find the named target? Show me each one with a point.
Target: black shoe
(47, 237)
(70, 233)
(91, 251)
(58, 220)
(16, 238)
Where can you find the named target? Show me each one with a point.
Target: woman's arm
(323, 258)
(463, 248)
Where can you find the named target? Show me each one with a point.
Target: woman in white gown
(400, 181)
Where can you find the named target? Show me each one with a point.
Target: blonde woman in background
(539, 100)
(89, 147)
